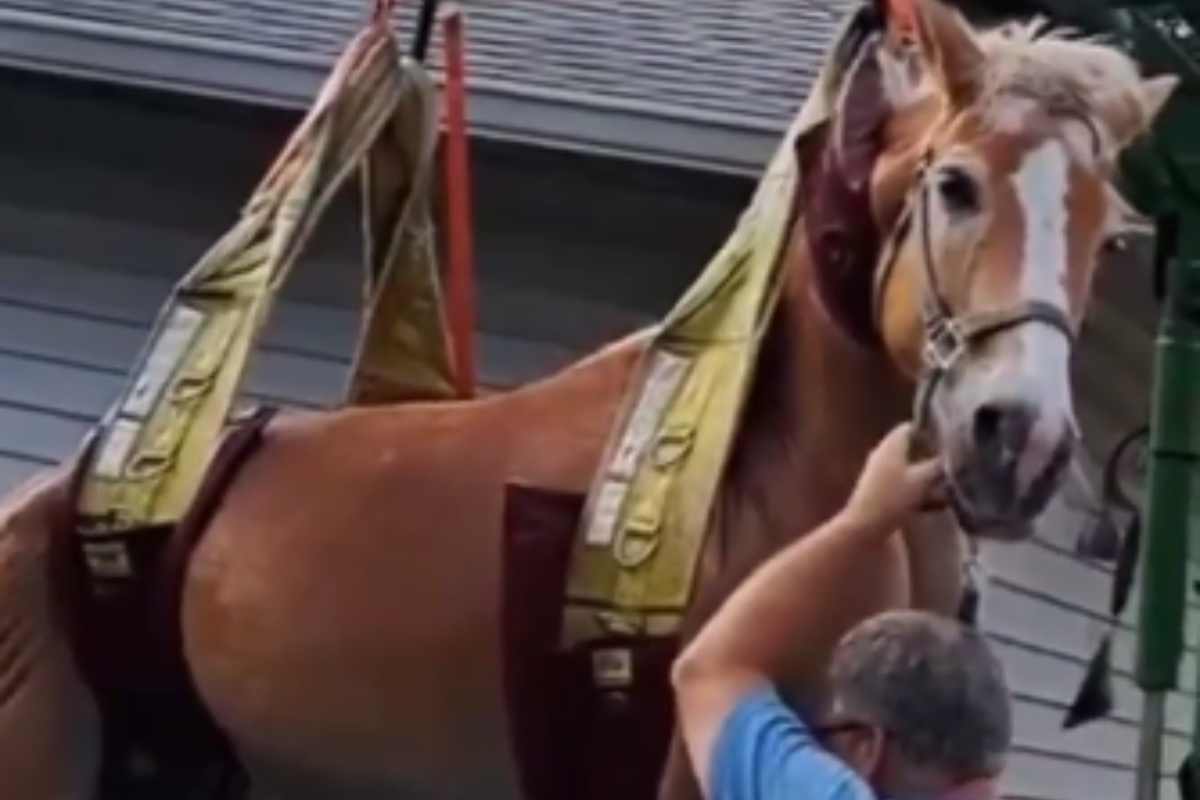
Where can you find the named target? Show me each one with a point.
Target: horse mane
(1058, 67)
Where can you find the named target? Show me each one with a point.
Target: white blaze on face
(1041, 372)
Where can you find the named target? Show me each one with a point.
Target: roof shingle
(741, 66)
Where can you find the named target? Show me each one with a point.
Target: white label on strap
(602, 528)
(666, 374)
(122, 436)
(177, 335)
(108, 560)
(612, 668)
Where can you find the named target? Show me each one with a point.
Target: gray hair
(933, 685)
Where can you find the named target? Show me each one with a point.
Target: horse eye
(959, 190)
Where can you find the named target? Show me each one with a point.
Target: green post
(1172, 500)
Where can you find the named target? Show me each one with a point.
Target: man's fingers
(927, 474)
(901, 435)
(926, 482)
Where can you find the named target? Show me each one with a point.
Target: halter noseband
(949, 337)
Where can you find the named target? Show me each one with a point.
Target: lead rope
(1095, 698)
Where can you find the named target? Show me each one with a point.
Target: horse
(340, 613)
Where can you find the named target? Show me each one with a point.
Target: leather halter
(949, 337)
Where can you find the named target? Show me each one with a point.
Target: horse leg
(50, 739)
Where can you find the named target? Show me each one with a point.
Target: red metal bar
(904, 14)
(459, 216)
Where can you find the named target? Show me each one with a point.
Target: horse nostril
(1002, 426)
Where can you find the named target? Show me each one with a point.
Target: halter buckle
(945, 344)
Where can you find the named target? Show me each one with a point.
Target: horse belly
(342, 613)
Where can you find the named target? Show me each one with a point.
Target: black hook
(1166, 248)
(424, 30)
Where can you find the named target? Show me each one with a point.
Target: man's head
(919, 705)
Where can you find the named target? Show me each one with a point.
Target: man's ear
(863, 752)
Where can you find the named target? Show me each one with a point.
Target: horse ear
(950, 51)
(1130, 114)
(1155, 93)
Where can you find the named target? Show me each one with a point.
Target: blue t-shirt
(766, 752)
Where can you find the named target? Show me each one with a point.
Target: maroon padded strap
(539, 527)
(129, 641)
(836, 163)
(571, 737)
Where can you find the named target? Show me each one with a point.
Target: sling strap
(156, 442)
(643, 529)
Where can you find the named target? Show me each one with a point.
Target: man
(915, 706)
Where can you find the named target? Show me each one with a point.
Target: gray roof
(704, 82)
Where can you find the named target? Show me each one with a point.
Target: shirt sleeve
(766, 752)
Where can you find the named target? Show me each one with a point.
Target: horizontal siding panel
(1033, 775)
(62, 389)
(539, 316)
(128, 304)
(1022, 618)
(14, 472)
(113, 346)
(1069, 581)
(64, 336)
(1046, 777)
(1038, 726)
(276, 372)
(136, 300)
(71, 334)
(1054, 680)
(35, 435)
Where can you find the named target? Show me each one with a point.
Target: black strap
(1094, 699)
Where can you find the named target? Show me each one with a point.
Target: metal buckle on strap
(945, 344)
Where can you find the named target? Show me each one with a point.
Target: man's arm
(787, 618)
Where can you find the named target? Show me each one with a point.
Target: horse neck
(819, 403)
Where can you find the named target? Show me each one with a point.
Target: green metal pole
(1175, 452)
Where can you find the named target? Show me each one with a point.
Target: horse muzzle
(1005, 465)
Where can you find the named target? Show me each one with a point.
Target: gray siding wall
(106, 199)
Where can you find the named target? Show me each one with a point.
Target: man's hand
(787, 617)
(891, 490)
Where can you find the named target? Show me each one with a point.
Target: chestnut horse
(341, 611)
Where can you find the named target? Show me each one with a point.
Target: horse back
(342, 609)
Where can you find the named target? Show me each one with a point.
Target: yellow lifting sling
(635, 556)
(376, 114)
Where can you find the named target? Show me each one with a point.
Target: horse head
(986, 161)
